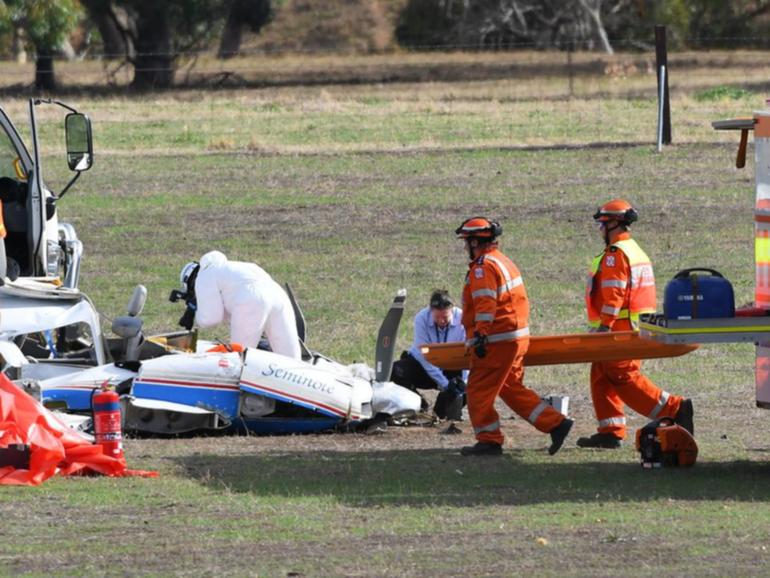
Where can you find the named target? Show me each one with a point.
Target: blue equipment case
(690, 295)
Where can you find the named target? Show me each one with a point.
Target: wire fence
(619, 44)
(576, 55)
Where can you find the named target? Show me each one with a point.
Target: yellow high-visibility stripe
(633, 252)
(595, 263)
(684, 331)
(762, 250)
(634, 318)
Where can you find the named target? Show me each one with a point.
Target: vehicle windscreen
(9, 159)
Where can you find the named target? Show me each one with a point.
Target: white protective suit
(246, 295)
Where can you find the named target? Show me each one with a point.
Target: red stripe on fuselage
(298, 398)
(187, 383)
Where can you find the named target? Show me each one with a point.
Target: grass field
(350, 193)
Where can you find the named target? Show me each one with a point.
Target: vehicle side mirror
(80, 148)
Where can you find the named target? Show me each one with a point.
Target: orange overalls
(621, 285)
(495, 304)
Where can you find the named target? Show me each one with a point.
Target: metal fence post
(661, 107)
(661, 61)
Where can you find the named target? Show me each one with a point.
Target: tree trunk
(230, 43)
(154, 62)
(113, 42)
(44, 77)
(19, 52)
(252, 13)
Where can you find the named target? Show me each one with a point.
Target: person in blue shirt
(437, 323)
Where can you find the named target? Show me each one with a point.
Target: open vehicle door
(49, 251)
(33, 243)
(15, 169)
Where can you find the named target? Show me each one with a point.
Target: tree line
(151, 34)
(581, 24)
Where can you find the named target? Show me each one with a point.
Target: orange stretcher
(558, 349)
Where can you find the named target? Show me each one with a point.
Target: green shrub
(724, 92)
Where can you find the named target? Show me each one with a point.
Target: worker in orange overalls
(620, 287)
(496, 317)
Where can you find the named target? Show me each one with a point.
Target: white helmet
(186, 274)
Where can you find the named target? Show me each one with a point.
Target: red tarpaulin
(54, 447)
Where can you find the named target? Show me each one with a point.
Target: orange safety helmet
(479, 227)
(618, 210)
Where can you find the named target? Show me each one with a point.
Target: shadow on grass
(444, 72)
(435, 477)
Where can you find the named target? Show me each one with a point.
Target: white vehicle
(50, 339)
(36, 244)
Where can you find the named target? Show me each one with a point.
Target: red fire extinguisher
(105, 405)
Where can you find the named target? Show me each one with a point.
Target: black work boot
(559, 434)
(684, 416)
(605, 441)
(482, 449)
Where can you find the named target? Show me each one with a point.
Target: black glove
(186, 296)
(602, 329)
(480, 344)
(188, 317)
(456, 386)
(176, 295)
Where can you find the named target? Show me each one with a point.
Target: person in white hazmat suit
(247, 296)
